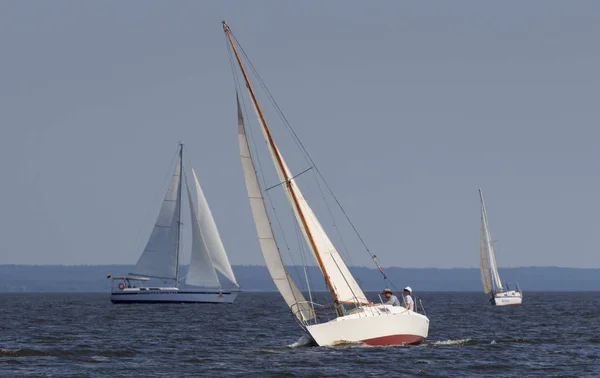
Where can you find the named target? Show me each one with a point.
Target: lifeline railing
(325, 313)
(419, 308)
(298, 308)
(418, 304)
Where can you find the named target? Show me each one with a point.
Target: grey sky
(407, 107)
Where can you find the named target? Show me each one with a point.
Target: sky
(406, 107)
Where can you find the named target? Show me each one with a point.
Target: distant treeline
(92, 278)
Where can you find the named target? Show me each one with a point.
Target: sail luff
(272, 145)
(201, 271)
(284, 283)
(210, 233)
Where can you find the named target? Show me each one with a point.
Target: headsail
(286, 286)
(333, 266)
(484, 264)
(201, 271)
(161, 255)
(491, 256)
(212, 240)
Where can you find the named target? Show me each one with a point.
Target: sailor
(391, 299)
(408, 301)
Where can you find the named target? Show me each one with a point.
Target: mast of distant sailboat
(179, 215)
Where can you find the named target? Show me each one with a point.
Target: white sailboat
(355, 318)
(492, 285)
(160, 259)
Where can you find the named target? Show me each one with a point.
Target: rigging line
(272, 99)
(238, 87)
(335, 226)
(347, 284)
(303, 149)
(303, 246)
(268, 196)
(290, 179)
(303, 252)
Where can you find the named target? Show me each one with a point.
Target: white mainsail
(201, 271)
(161, 255)
(489, 257)
(286, 286)
(212, 240)
(333, 267)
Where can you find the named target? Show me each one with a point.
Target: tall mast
(179, 214)
(288, 181)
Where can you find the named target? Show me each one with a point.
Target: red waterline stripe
(394, 340)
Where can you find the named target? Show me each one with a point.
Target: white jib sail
(201, 271)
(211, 235)
(286, 286)
(159, 259)
(484, 264)
(346, 288)
(491, 256)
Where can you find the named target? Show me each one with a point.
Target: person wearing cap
(408, 301)
(391, 299)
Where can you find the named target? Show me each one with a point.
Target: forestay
(160, 257)
(344, 285)
(212, 240)
(286, 286)
(201, 271)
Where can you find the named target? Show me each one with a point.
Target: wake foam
(451, 342)
(303, 341)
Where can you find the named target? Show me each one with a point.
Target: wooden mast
(288, 181)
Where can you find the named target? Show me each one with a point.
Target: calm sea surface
(84, 335)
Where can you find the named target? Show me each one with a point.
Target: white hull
(507, 298)
(171, 295)
(375, 325)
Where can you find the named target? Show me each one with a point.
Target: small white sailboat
(354, 317)
(490, 278)
(160, 259)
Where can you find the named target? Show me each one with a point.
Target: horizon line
(314, 266)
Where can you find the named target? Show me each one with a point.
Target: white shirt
(409, 301)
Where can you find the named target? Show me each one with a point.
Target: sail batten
(268, 245)
(161, 254)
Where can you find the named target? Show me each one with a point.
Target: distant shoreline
(256, 278)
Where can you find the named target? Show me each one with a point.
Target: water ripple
(83, 335)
